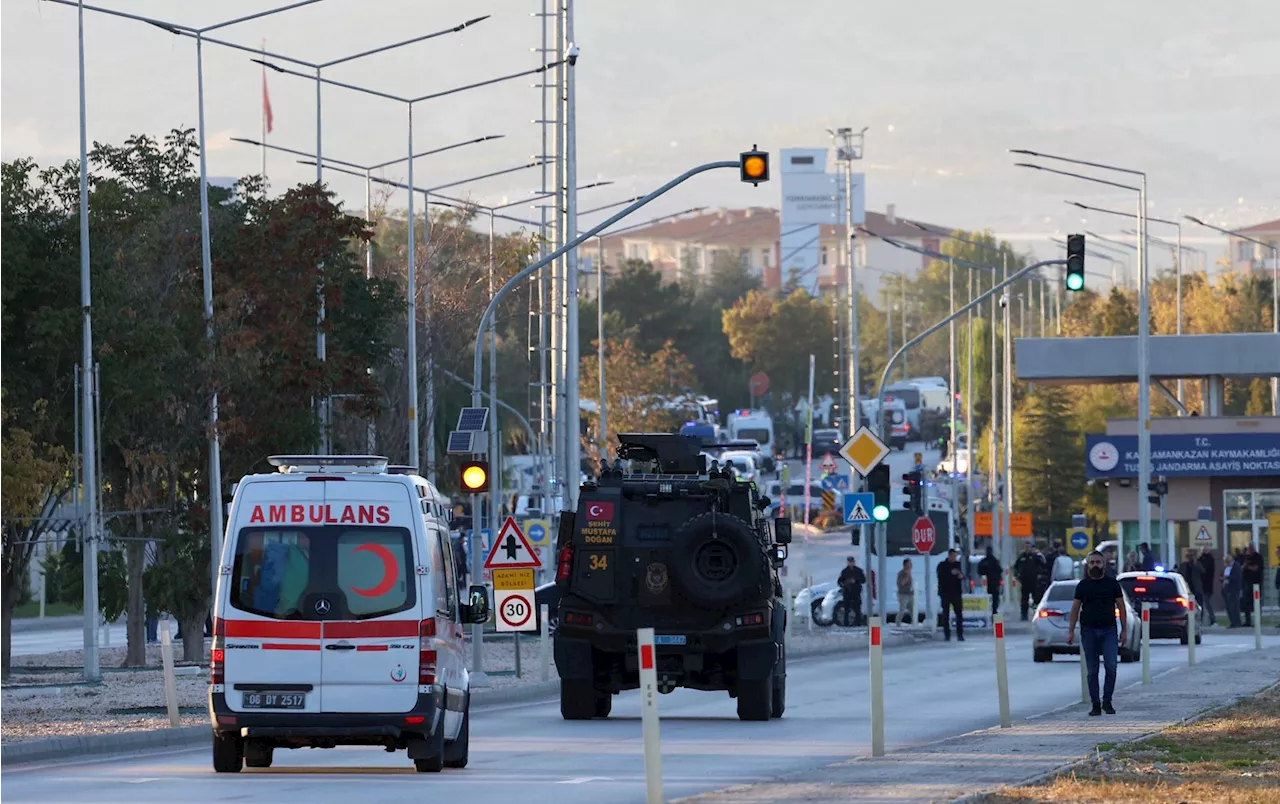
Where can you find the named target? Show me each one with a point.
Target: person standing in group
(1208, 576)
(1098, 599)
(1251, 576)
(851, 581)
(1063, 567)
(1232, 584)
(1046, 573)
(951, 593)
(1190, 570)
(1027, 569)
(1148, 560)
(906, 594)
(989, 568)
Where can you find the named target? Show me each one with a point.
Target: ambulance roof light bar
(349, 464)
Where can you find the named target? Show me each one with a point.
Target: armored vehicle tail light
(564, 564)
(573, 618)
(750, 619)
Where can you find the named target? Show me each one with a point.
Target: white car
(956, 464)
(744, 463)
(1054, 614)
(808, 602)
(338, 619)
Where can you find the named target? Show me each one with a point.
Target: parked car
(1170, 600)
(810, 599)
(1053, 615)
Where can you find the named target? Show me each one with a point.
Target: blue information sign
(1215, 455)
(858, 508)
(1080, 540)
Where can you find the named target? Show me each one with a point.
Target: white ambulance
(338, 617)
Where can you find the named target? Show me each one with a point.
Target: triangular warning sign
(859, 512)
(511, 550)
(1203, 535)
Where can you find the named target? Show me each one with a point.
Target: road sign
(515, 610)
(829, 463)
(1206, 533)
(829, 500)
(857, 508)
(538, 531)
(511, 549)
(1016, 525)
(512, 580)
(864, 451)
(836, 482)
(759, 383)
(1078, 543)
(923, 535)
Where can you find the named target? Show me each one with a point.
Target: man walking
(1098, 598)
(989, 568)
(906, 595)
(951, 592)
(850, 582)
(1027, 568)
(1208, 576)
(1190, 570)
(1232, 585)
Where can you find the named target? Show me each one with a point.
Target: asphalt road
(526, 751)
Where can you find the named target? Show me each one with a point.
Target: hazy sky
(1186, 90)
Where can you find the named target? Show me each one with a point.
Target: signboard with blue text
(1215, 455)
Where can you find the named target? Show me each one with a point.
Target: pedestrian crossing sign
(857, 508)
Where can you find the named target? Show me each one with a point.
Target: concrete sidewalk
(985, 760)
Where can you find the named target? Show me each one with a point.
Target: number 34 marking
(599, 561)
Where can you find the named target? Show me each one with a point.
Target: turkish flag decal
(600, 511)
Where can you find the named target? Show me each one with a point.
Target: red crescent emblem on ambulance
(391, 571)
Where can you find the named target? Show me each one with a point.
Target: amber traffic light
(753, 166)
(475, 477)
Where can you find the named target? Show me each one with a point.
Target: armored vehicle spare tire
(717, 560)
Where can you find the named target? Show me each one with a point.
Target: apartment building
(1249, 257)
(689, 246)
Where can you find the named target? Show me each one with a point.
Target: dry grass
(1232, 757)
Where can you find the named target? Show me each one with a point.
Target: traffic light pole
(884, 374)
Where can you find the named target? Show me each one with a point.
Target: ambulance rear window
(323, 572)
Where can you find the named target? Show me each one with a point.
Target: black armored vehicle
(671, 545)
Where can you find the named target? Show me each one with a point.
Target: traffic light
(475, 477)
(878, 484)
(1075, 262)
(914, 488)
(753, 166)
(1158, 489)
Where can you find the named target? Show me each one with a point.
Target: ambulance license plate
(275, 700)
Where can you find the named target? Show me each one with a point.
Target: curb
(65, 748)
(62, 622)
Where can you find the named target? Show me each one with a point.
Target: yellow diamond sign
(864, 451)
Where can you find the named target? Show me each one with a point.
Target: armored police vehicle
(668, 544)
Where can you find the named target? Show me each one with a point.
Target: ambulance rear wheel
(228, 752)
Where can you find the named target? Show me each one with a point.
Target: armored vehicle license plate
(669, 639)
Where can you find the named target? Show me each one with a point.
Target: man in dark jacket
(1252, 577)
(1232, 584)
(951, 593)
(851, 581)
(1027, 568)
(1190, 570)
(1147, 558)
(989, 568)
(1209, 577)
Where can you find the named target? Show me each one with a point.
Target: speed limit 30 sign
(515, 610)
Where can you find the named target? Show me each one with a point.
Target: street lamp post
(1144, 321)
(92, 669)
(1275, 295)
(412, 291)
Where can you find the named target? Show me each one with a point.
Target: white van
(337, 618)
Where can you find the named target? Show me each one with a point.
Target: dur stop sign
(923, 535)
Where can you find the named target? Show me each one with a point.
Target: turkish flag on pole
(266, 104)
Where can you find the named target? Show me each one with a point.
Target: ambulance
(338, 619)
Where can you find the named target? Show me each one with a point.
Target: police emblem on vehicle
(656, 578)
(322, 606)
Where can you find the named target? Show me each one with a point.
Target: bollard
(1084, 677)
(649, 717)
(877, 689)
(1002, 673)
(516, 641)
(1257, 618)
(1191, 632)
(170, 681)
(544, 649)
(1146, 643)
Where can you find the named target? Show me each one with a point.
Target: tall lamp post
(92, 669)
(1144, 319)
(1275, 294)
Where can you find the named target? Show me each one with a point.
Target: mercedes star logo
(322, 607)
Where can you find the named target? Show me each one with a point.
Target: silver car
(1053, 615)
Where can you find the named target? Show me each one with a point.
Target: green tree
(777, 336)
(1048, 461)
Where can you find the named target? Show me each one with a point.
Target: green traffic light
(880, 512)
(1075, 282)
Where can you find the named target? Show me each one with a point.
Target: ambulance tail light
(427, 628)
(218, 655)
(564, 564)
(426, 668)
